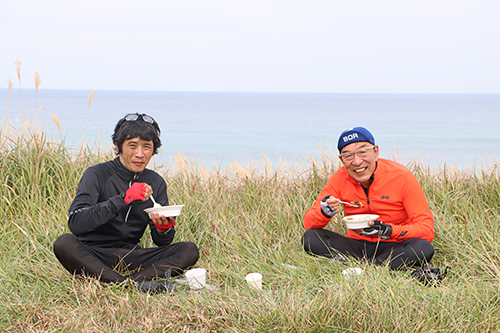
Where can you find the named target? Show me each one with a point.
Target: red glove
(135, 192)
(163, 227)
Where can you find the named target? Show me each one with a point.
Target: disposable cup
(196, 278)
(254, 280)
(353, 271)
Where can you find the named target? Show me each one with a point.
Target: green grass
(244, 220)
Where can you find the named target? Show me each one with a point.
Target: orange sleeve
(314, 218)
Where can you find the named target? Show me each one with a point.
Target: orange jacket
(395, 195)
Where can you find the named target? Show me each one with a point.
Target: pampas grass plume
(9, 86)
(55, 118)
(37, 84)
(37, 79)
(18, 70)
(91, 95)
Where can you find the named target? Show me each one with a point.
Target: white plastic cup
(196, 278)
(254, 280)
(353, 271)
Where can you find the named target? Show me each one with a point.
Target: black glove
(326, 209)
(378, 229)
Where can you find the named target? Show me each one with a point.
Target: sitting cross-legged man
(107, 218)
(402, 234)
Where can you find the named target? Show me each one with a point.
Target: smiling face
(136, 153)
(361, 168)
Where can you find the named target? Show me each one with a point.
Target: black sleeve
(86, 214)
(161, 239)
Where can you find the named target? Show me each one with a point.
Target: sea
(216, 129)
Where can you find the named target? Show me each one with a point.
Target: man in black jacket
(107, 217)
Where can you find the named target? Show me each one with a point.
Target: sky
(332, 46)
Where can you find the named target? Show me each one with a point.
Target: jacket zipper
(367, 196)
(130, 207)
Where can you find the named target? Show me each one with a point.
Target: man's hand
(138, 191)
(330, 206)
(378, 228)
(161, 222)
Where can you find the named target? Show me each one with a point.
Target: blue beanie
(355, 134)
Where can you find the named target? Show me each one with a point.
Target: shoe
(155, 287)
(429, 275)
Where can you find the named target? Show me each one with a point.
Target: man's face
(361, 168)
(136, 154)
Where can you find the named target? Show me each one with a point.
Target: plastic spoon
(155, 204)
(350, 204)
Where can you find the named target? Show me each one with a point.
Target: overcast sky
(367, 46)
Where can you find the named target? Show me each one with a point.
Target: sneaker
(429, 275)
(155, 287)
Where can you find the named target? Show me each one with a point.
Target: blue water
(459, 130)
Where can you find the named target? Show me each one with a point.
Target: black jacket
(99, 215)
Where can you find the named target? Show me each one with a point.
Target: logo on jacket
(384, 197)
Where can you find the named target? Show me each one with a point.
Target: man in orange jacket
(404, 230)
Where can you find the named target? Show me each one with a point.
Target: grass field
(244, 220)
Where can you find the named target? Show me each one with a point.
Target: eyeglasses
(363, 152)
(144, 117)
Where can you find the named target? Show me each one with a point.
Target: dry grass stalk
(26, 126)
(18, 70)
(91, 96)
(9, 86)
(37, 84)
(37, 79)
(55, 118)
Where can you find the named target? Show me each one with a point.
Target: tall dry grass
(244, 219)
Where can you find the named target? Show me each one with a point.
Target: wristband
(163, 227)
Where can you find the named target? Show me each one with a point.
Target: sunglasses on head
(144, 117)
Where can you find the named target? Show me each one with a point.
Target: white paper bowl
(359, 221)
(165, 210)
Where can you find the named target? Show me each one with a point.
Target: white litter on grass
(182, 283)
(353, 271)
(290, 266)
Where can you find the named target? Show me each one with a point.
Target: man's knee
(418, 251)
(421, 247)
(309, 237)
(192, 253)
(62, 244)
(424, 248)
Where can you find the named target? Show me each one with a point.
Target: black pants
(326, 243)
(147, 264)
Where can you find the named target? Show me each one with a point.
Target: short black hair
(137, 125)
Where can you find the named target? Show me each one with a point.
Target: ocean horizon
(217, 128)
